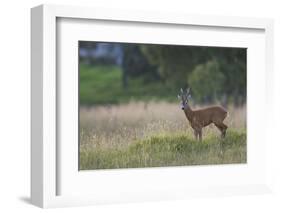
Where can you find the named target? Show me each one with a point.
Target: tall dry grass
(118, 127)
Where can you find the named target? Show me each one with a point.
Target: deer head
(184, 98)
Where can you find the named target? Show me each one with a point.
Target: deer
(203, 117)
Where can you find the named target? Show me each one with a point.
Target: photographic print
(156, 105)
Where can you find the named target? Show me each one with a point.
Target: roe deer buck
(202, 117)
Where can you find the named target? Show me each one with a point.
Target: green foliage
(135, 63)
(206, 81)
(233, 65)
(176, 63)
(151, 71)
(103, 85)
(176, 149)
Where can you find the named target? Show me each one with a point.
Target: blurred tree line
(213, 73)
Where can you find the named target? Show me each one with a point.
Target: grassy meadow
(102, 85)
(155, 134)
(130, 116)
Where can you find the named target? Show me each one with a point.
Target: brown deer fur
(204, 117)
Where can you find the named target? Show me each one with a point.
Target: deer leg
(218, 126)
(222, 127)
(200, 134)
(196, 134)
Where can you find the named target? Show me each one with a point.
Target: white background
(15, 105)
(148, 184)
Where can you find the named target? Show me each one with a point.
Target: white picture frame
(45, 166)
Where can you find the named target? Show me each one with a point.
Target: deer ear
(181, 90)
(179, 97)
(189, 96)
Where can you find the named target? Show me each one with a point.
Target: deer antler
(188, 93)
(183, 95)
(179, 97)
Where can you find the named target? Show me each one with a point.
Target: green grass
(176, 149)
(103, 85)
